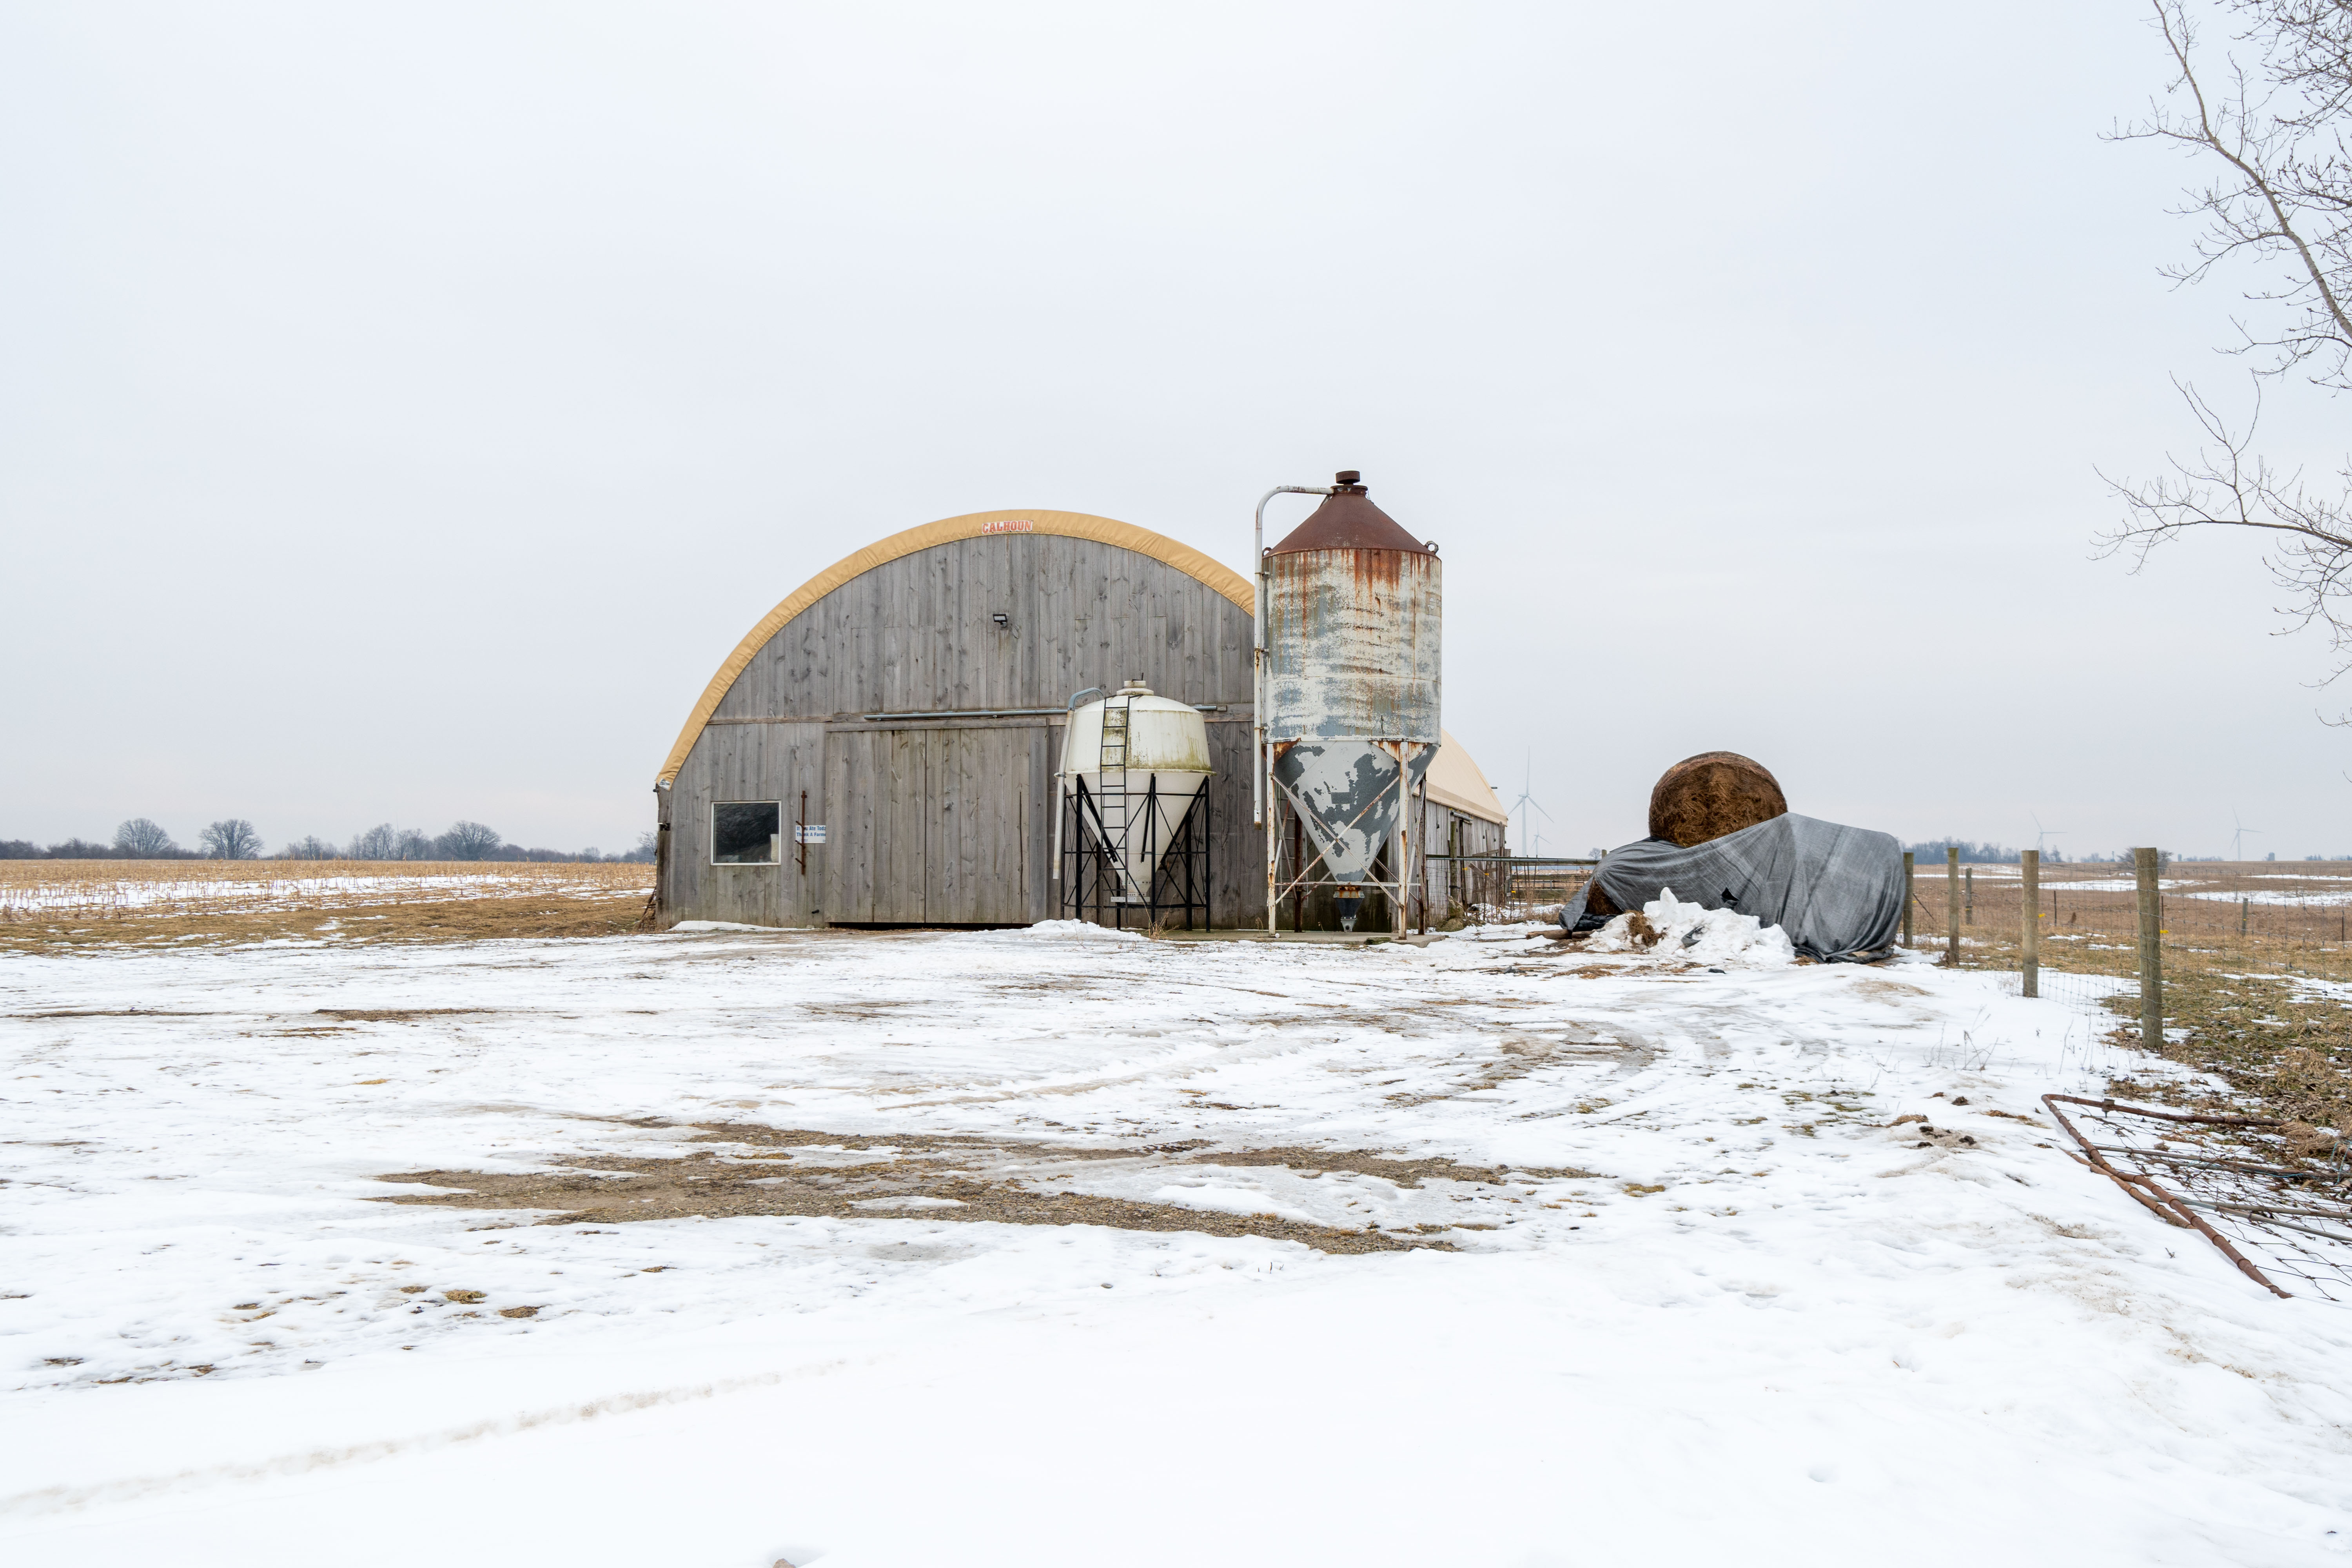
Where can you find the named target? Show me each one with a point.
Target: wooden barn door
(976, 872)
(930, 827)
(873, 845)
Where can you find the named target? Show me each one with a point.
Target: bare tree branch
(2286, 196)
(2227, 485)
(2273, 115)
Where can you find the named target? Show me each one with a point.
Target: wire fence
(1500, 888)
(2240, 971)
(2272, 1197)
(2285, 918)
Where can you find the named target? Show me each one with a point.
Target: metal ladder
(1111, 805)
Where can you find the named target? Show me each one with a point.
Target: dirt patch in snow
(1517, 1058)
(918, 1143)
(1404, 1173)
(676, 1189)
(106, 1013)
(741, 1170)
(393, 1014)
(1288, 1156)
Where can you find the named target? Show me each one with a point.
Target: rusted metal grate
(2242, 1182)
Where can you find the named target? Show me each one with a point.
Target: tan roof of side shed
(947, 531)
(1454, 781)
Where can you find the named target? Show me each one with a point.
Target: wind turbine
(2238, 835)
(2042, 836)
(1526, 802)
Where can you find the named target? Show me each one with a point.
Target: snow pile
(1068, 930)
(1667, 926)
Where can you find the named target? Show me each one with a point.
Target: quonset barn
(881, 749)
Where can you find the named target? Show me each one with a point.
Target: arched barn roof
(1455, 781)
(947, 531)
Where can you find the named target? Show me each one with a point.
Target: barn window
(747, 833)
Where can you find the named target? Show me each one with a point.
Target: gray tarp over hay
(1837, 890)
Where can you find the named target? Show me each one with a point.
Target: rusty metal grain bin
(1353, 614)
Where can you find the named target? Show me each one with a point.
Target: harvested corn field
(2302, 908)
(48, 904)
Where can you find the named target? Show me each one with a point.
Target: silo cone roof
(1456, 781)
(1348, 520)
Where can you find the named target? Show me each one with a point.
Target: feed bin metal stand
(1181, 874)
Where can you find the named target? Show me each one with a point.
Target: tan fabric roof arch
(973, 525)
(1455, 781)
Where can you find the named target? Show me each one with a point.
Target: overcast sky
(403, 410)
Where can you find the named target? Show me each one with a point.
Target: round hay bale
(1711, 794)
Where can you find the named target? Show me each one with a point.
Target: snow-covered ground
(1766, 1327)
(2298, 901)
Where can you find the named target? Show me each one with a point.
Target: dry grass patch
(2251, 1011)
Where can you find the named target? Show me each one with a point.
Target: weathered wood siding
(938, 825)
(946, 821)
(1478, 836)
(1450, 832)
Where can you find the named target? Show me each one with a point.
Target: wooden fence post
(2031, 865)
(2151, 951)
(1906, 897)
(1952, 905)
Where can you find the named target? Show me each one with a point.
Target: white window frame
(775, 839)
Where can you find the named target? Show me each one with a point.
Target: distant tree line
(1933, 851)
(234, 838)
(1978, 854)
